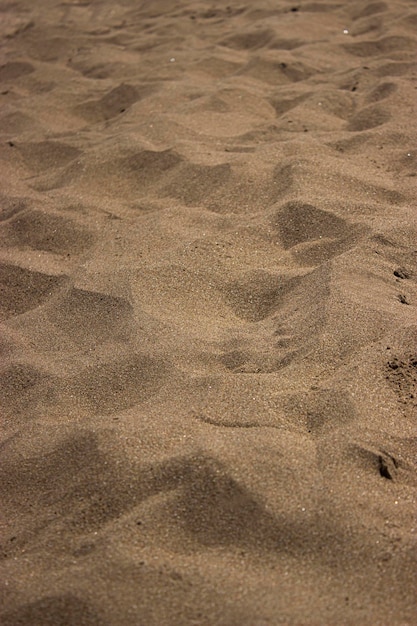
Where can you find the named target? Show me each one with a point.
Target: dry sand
(208, 303)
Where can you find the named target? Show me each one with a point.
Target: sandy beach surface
(208, 297)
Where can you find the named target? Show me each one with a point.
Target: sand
(208, 313)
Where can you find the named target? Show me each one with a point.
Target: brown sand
(208, 302)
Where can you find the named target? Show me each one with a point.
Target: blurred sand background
(208, 312)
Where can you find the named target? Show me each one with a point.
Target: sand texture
(208, 351)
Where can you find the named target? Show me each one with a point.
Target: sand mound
(207, 307)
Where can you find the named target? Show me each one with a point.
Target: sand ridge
(207, 308)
